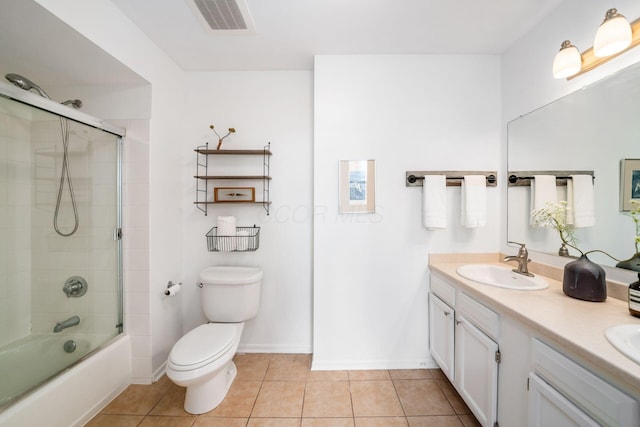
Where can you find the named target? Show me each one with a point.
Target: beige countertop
(577, 326)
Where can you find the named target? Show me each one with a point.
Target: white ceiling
(290, 32)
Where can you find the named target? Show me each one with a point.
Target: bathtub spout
(72, 321)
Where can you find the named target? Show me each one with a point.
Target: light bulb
(567, 61)
(613, 35)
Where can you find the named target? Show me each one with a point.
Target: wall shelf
(204, 179)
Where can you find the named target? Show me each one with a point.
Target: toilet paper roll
(226, 233)
(172, 290)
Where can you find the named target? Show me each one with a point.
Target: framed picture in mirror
(629, 183)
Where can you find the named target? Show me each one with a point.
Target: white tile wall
(135, 242)
(91, 251)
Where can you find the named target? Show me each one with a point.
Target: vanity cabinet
(441, 332)
(563, 393)
(556, 367)
(476, 371)
(462, 341)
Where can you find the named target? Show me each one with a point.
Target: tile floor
(280, 390)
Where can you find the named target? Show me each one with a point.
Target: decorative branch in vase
(582, 279)
(221, 138)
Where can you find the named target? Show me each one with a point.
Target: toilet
(202, 360)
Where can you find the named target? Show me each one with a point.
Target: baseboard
(353, 365)
(258, 348)
(158, 373)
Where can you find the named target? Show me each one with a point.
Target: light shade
(567, 62)
(613, 36)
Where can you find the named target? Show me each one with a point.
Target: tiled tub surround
(574, 327)
(281, 390)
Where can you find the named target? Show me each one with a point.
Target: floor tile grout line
(255, 401)
(404, 411)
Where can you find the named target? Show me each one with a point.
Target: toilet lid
(202, 345)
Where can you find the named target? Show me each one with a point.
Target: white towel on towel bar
(434, 201)
(543, 191)
(473, 202)
(580, 203)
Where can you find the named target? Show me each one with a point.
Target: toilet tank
(230, 294)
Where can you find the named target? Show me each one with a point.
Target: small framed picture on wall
(234, 194)
(629, 183)
(357, 186)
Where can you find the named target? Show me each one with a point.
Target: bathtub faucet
(72, 321)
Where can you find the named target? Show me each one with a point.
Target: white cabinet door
(548, 408)
(441, 338)
(476, 371)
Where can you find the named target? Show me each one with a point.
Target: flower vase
(632, 263)
(634, 298)
(584, 279)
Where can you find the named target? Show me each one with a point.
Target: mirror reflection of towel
(543, 190)
(580, 202)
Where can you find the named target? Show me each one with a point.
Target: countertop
(577, 326)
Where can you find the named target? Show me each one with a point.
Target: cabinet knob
(446, 313)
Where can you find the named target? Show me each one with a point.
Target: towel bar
(454, 178)
(524, 178)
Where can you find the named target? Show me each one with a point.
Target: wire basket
(246, 239)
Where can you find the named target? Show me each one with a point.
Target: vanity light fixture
(567, 62)
(614, 36)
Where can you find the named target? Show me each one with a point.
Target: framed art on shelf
(234, 194)
(357, 186)
(629, 182)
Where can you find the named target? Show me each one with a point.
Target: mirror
(592, 129)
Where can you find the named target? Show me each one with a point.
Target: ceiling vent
(223, 16)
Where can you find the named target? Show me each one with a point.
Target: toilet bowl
(202, 360)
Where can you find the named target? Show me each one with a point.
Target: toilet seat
(202, 346)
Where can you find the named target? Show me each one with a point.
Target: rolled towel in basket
(226, 236)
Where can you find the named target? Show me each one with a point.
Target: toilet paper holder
(172, 288)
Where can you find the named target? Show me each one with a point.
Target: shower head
(26, 84)
(75, 103)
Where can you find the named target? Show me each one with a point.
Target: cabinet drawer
(599, 399)
(483, 318)
(442, 289)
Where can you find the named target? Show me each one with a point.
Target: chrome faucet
(72, 321)
(523, 260)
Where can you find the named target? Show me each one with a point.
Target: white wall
(370, 270)
(527, 82)
(153, 322)
(263, 107)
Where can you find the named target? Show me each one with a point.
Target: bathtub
(69, 398)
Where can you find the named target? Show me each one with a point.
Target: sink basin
(502, 277)
(625, 338)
